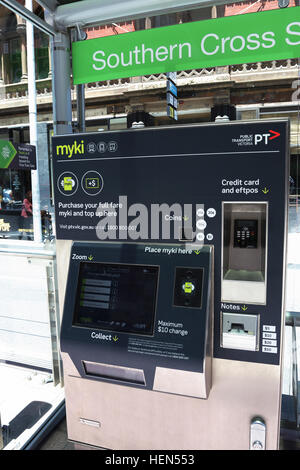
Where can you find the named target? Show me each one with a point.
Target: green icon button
(67, 183)
(92, 183)
(188, 287)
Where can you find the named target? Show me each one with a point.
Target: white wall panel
(24, 311)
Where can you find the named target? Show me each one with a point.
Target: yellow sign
(4, 226)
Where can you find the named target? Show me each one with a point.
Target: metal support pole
(61, 86)
(80, 108)
(35, 185)
(80, 89)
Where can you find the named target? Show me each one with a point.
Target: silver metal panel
(63, 257)
(181, 382)
(154, 420)
(62, 103)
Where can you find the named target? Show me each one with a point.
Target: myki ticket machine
(171, 258)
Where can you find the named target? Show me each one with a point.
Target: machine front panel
(122, 310)
(175, 286)
(218, 184)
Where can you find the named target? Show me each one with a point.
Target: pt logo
(265, 138)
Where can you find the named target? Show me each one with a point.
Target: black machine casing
(230, 184)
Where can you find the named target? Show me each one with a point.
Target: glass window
(30, 370)
(16, 220)
(42, 56)
(15, 60)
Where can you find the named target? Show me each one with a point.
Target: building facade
(258, 90)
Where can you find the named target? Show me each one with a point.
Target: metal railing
(19, 91)
(275, 70)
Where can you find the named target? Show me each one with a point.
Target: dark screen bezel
(114, 330)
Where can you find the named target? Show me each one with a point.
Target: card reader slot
(111, 372)
(244, 252)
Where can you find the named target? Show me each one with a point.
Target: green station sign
(16, 156)
(255, 37)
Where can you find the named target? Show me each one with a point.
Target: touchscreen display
(117, 297)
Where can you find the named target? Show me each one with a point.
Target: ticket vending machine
(171, 257)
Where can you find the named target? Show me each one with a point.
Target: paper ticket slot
(123, 374)
(239, 331)
(244, 252)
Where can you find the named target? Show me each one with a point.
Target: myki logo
(70, 150)
(265, 138)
